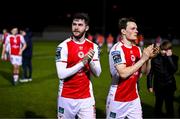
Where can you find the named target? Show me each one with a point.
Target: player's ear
(87, 28)
(123, 31)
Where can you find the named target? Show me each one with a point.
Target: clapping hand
(88, 57)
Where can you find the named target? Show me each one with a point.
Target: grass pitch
(38, 99)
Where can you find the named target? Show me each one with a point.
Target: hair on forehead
(123, 22)
(166, 44)
(83, 16)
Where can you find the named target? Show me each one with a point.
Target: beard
(81, 34)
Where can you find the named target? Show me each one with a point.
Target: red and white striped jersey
(16, 42)
(126, 88)
(78, 85)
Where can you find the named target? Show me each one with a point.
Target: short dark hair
(82, 16)
(165, 45)
(123, 22)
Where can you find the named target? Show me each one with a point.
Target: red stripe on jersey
(15, 42)
(95, 59)
(64, 61)
(77, 86)
(126, 90)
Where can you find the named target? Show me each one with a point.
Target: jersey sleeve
(61, 63)
(61, 53)
(95, 63)
(117, 56)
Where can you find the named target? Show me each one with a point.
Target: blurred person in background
(27, 56)
(76, 59)
(5, 57)
(17, 45)
(161, 79)
(110, 42)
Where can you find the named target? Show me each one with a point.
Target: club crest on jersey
(80, 54)
(116, 55)
(133, 58)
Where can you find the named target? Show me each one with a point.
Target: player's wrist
(84, 61)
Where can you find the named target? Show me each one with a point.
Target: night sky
(152, 18)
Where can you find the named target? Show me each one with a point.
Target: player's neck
(127, 42)
(79, 40)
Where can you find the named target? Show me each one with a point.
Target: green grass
(38, 98)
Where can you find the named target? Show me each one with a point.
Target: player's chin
(76, 34)
(134, 38)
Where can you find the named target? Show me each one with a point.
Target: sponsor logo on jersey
(116, 55)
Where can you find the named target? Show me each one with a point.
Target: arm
(24, 45)
(172, 65)
(96, 68)
(172, 60)
(125, 72)
(4, 48)
(149, 80)
(61, 63)
(3, 52)
(95, 63)
(64, 72)
(147, 66)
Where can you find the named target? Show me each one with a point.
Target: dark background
(153, 17)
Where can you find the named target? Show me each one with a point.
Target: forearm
(149, 79)
(64, 72)
(23, 48)
(3, 49)
(128, 71)
(146, 67)
(95, 68)
(172, 64)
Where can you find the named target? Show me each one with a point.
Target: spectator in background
(100, 40)
(17, 46)
(76, 59)
(90, 37)
(5, 57)
(27, 56)
(158, 41)
(163, 68)
(109, 41)
(140, 41)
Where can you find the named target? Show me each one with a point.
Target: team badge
(116, 55)
(58, 53)
(80, 54)
(133, 58)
